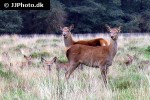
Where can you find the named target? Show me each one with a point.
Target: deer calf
(59, 65)
(26, 62)
(98, 57)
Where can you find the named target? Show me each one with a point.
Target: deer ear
(54, 59)
(108, 27)
(60, 28)
(30, 56)
(42, 59)
(71, 27)
(119, 28)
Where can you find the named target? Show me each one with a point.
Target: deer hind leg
(71, 68)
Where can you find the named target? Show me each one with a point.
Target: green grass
(129, 80)
(19, 94)
(7, 74)
(126, 94)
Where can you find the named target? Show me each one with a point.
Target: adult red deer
(68, 40)
(98, 57)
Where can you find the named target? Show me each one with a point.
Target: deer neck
(113, 48)
(68, 41)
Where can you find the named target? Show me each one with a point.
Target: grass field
(35, 83)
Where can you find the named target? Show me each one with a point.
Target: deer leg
(104, 70)
(81, 66)
(70, 70)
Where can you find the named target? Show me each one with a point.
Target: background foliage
(87, 15)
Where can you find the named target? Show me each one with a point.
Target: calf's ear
(108, 27)
(119, 28)
(71, 27)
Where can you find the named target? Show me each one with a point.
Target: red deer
(98, 57)
(59, 65)
(68, 40)
(26, 62)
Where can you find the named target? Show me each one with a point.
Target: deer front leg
(104, 70)
(72, 67)
(81, 66)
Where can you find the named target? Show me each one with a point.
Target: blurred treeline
(87, 16)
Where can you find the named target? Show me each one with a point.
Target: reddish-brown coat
(99, 56)
(66, 32)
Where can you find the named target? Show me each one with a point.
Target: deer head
(48, 63)
(114, 32)
(28, 59)
(66, 31)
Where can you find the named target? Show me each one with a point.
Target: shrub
(147, 49)
(42, 41)
(20, 46)
(63, 59)
(40, 54)
(133, 48)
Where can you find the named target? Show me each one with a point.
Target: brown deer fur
(68, 40)
(98, 57)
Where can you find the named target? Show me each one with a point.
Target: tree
(55, 17)
(44, 21)
(11, 21)
(85, 14)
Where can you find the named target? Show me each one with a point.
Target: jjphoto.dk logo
(39, 4)
(25, 5)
